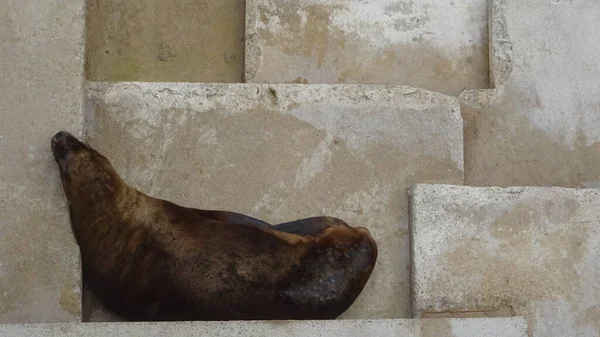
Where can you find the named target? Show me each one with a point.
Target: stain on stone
(273, 92)
(228, 57)
(70, 300)
(435, 328)
(300, 80)
(502, 310)
(402, 7)
(591, 318)
(503, 148)
(410, 23)
(165, 53)
(311, 25)
(8, 302)
(423, 66)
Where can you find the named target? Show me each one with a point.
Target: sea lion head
(65, 147)
(82, 169)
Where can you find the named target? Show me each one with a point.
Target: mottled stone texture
(436, 45)
(41, 73)
(285, 152)
(158, 40)
(498, 327)
(541, 126)
(508, 251)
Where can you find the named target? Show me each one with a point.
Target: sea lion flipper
(308, 226)
(235, 218)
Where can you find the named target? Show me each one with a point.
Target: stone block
(441, 46)
(41, 76)
(540, 126)
(526, 251)
(156, 40)
(285, 152)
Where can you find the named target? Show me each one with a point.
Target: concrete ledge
(501, 327)
(508, 251)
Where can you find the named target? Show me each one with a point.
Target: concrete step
(284, 152)
(491, 327)
(436, 45)
(541, 126)
(508, 251)
(41, 73)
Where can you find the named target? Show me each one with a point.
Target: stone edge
(385, 327)
(501, 46)
(252, 49)
(413, 203)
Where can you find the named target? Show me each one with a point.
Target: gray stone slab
(41, 74)
(284, 152)
(436, 45)
(541, 126)
(519, 251)
(490, 327)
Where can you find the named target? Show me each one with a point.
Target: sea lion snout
(59, 137)
(63, 144)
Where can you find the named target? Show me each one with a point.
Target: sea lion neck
(94, 189)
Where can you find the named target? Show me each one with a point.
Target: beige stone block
(436, 45)
(285, 152)
(521, 251)
(157, 40)
(541, 124)
(41, 74)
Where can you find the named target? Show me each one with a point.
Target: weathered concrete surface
(498, 327)
(41, 73)
(436, 45)
(527, 251)
(156, 40)
(541, 126)
(285, 152)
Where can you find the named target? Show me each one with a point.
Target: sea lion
(149, 259)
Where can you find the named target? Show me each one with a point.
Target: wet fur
(149, 259)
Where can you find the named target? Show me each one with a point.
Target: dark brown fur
(149, 259)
